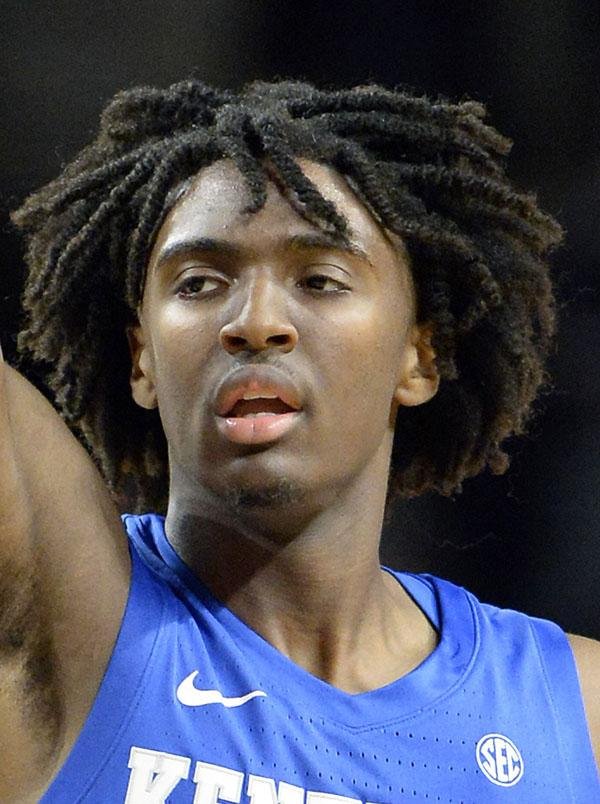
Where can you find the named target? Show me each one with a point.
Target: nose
(261, 322)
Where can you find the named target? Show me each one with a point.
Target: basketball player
(265, 316)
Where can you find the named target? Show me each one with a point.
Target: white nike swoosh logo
(189, 695)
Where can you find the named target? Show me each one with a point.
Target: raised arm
(64, 572)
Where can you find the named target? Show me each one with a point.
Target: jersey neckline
(447, 606)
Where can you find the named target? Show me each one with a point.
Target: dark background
(529, 539)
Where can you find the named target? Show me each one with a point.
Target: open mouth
(257, 404)
(260, 406)
(257, 421)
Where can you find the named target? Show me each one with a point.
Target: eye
(203, 285)
(196, 286)
(318, 281)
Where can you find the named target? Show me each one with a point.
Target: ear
(142, 376)
(419, 380)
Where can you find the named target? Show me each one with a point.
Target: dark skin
(298, 559)
(300, 565)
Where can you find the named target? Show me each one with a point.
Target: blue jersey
(197, 708)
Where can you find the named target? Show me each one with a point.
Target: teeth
(262, 413)
(251, 395)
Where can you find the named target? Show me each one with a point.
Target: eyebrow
(300, 242)
(205, 244)
(321, 240)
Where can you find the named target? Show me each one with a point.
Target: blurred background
(528, 540)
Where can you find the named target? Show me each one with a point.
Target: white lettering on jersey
(215, 784)
(154, 775)
(499, 759)
(261, 790)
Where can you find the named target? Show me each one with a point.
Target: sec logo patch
(499, 759)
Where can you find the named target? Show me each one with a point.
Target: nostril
(235, 340)
(256, 338)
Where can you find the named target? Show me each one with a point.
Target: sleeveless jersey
(196, 708)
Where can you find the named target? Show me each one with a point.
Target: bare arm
(587, 657)
(64, 573)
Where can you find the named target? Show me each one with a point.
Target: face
(227, 289)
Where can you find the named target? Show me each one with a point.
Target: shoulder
(587, 658)
(509, 629)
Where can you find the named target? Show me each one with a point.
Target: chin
(273, 495)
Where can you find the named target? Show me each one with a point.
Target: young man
(250, 305)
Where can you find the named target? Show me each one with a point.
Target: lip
(256, 379)
(259, 429)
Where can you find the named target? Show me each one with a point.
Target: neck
(309, 583)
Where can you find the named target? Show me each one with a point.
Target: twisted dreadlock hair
(429, 170)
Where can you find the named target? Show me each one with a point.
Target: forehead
(213, 205)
